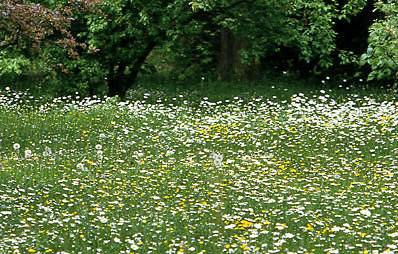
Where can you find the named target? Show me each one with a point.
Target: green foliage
(26, 27)
(261, 28)
(382, 50)
(121, 36)
(36, 45)
(129, 30)
(10, 64)
(305, 26)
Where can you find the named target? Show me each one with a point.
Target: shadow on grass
(276, 88)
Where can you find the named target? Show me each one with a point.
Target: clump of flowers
(217, 158)
(28, 154)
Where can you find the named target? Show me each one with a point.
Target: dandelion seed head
(16, 146)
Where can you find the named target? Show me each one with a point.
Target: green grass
(306, 173)
(273, 86)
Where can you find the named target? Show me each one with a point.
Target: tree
(130, 30)
(239, 34)
(382, 52)
(27, 27)
(304, 29)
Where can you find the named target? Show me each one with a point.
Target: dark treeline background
(104, 46)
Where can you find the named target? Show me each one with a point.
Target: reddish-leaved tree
(28, 25)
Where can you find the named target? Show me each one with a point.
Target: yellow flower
(245, 223)
(280, 226)
(31, 250)
(309, 227)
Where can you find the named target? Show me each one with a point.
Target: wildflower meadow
(309, 174)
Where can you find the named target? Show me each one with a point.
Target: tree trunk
(226, 61)
(117, 81)
(123, 75)
(231, 66)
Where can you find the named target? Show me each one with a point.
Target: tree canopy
(26, 25)
(108, 42)
(26, 28)
(382, 52)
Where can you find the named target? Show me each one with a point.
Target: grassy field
(310, 173)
